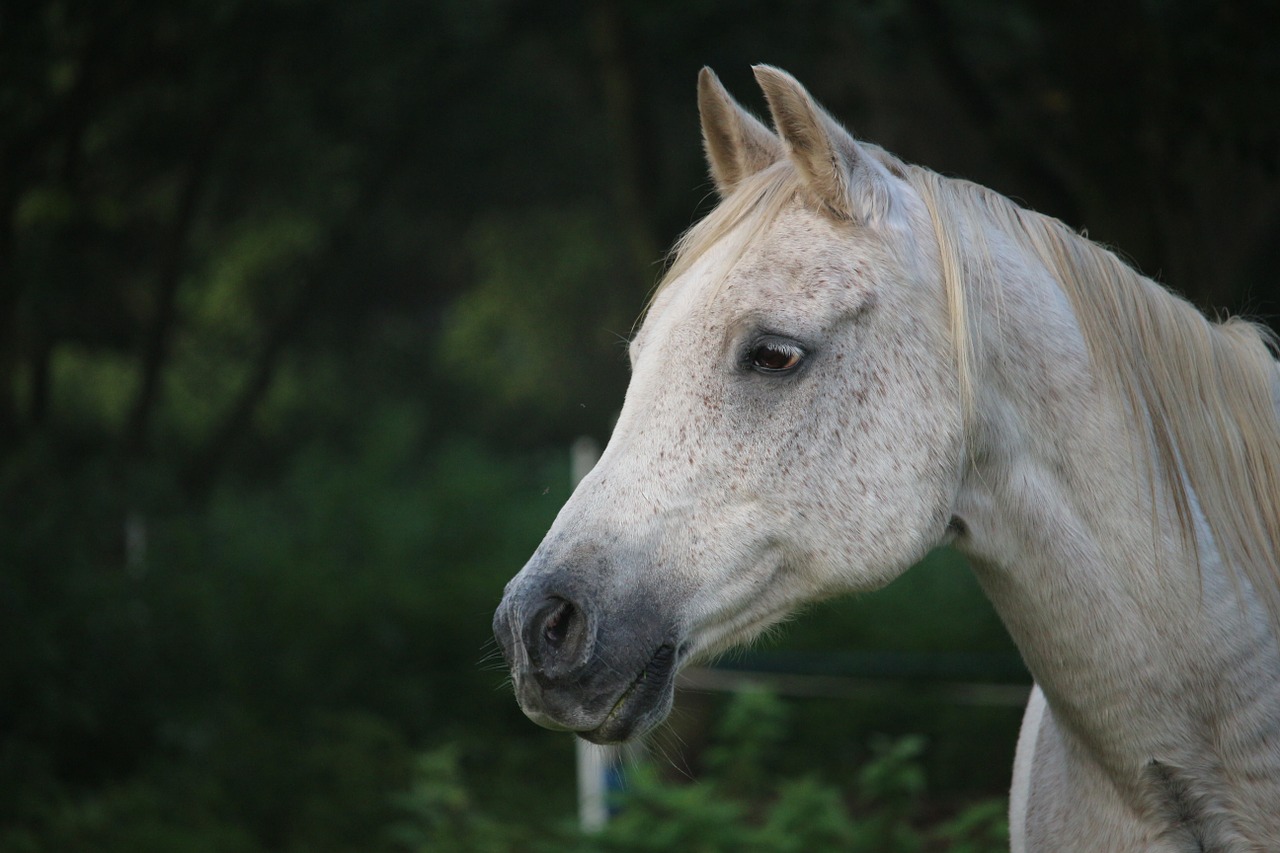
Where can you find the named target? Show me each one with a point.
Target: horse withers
(852, 360)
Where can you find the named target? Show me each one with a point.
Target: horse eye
(775, 357)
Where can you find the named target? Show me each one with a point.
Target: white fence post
(595, 763)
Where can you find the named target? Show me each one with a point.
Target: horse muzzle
(604, 669)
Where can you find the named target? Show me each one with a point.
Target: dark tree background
(302, 302)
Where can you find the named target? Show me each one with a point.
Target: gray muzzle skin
(600, 665)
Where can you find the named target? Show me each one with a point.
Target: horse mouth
(644, 702)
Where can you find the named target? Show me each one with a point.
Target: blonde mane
(1200, 393)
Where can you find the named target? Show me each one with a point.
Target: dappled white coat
(1154, 725)
(852, 360)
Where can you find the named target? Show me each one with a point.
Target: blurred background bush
(302, 304)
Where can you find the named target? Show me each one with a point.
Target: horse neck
(1134, 631)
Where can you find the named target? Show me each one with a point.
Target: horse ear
(738, 145)
(843, 175)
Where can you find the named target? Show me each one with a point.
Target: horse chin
(643, 704)
(619, 728)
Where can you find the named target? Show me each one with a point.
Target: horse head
(792, 429)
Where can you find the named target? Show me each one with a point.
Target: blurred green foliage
(536, 272)
(878, 811)
(302, 303)
(266, 666)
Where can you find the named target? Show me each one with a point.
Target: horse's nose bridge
(643, 464)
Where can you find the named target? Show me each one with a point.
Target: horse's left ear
(839, 171)
(737, 144)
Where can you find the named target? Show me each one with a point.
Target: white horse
(852, 360)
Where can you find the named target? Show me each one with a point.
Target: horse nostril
(558, 637)
(558, 623)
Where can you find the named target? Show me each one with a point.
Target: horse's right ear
(842, 174)
(738, 145)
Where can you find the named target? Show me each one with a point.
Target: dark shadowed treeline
(302, 302)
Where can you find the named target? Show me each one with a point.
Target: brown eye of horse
(776, 357)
